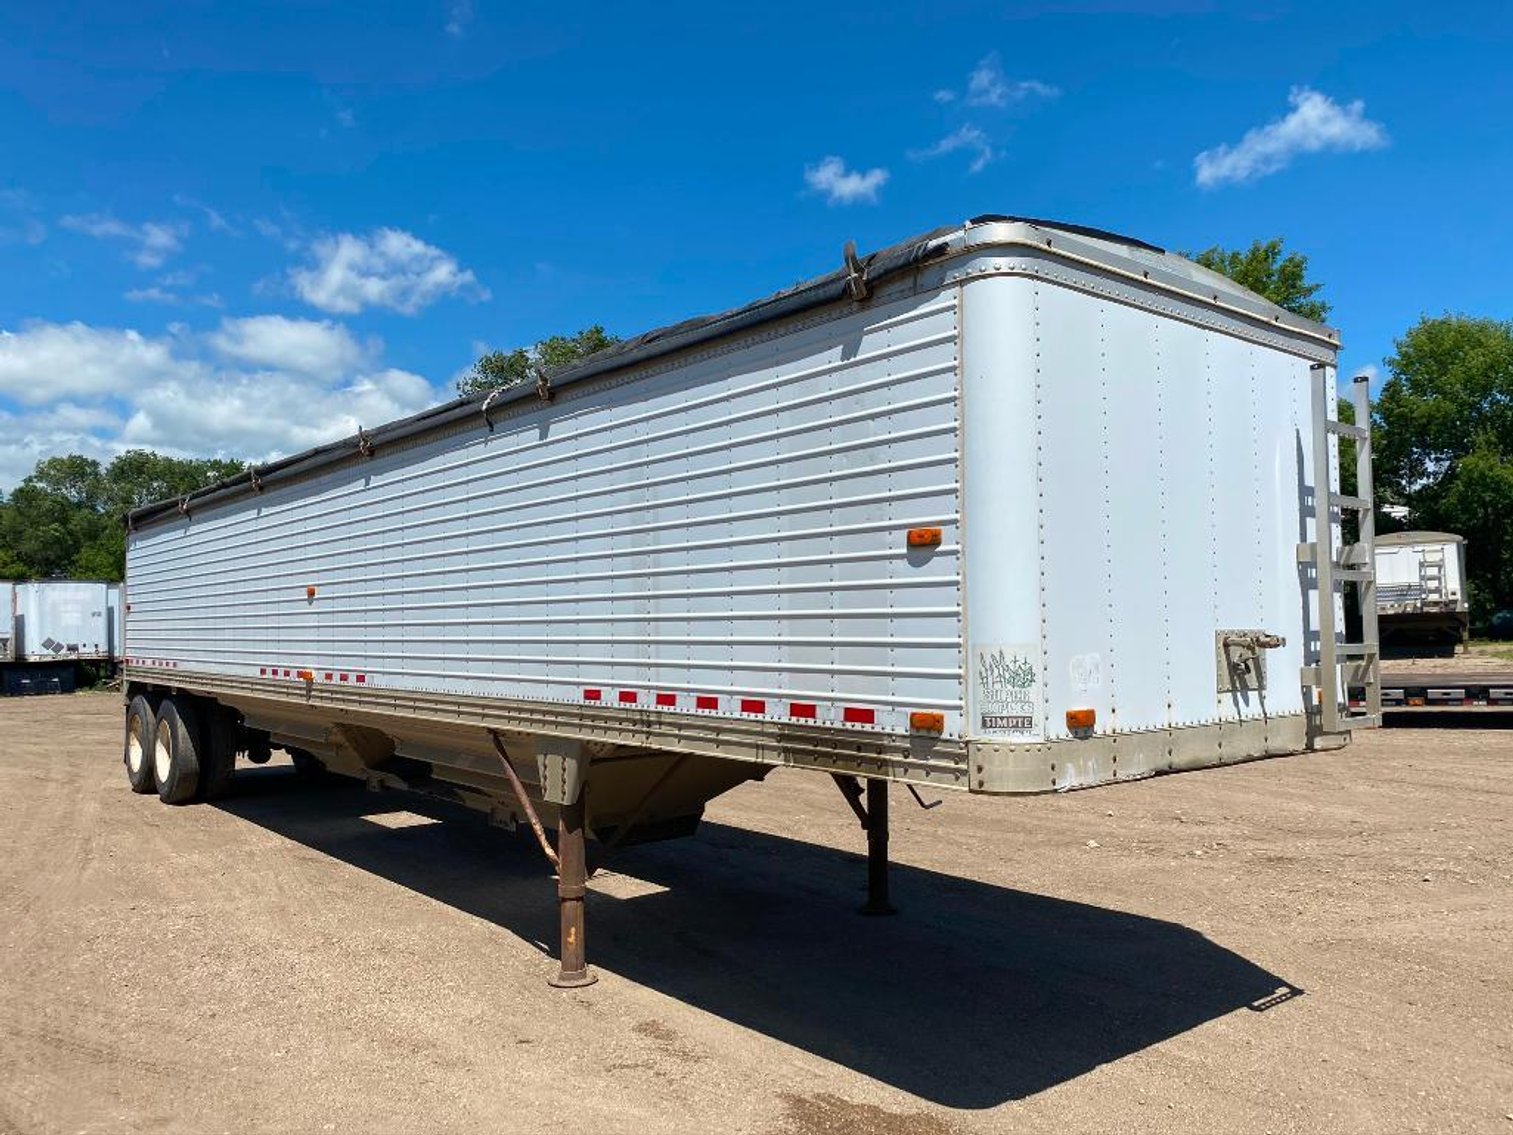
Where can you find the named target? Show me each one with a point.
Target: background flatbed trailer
(1472, 690)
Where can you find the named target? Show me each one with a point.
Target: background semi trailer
(1421, 590)
(1012, 507)
(48, 627)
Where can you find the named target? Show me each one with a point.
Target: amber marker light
(1077, 719)
(305, 675)
(924, 537)
(310, 592)
(923, 721)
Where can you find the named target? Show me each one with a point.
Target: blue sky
(241, 229)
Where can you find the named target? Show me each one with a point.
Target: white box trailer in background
(1421, 589)
(1012, 507)
(62, 620)
(115, 604)
(47, 628)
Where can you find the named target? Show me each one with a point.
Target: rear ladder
(1352, 563)
(1431, 578)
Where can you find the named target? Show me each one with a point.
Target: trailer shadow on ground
(974, 995)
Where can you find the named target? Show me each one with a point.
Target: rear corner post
(563, 768)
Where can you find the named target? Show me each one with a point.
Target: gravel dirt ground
(1478, 658)
(1320, 943)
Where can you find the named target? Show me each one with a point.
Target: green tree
(78, 480)
(64, 519)
(1444, 428)
(1264, 268)
(139, 477)
(41, 531)
(510, 368)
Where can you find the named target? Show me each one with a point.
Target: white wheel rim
(162, 756)
(134, 751)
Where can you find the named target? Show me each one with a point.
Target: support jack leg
(572, 879)
(877, 849)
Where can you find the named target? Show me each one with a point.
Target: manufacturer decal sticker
(1007, 680)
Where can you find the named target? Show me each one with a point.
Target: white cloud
(286, 233)
(842, 186)
(152, 242)
(1315, 124)
(253, 389)
(966, 137)
(46, 362)
(257, 416)
(215, 221)
(987, 85)
(459, 16)
(159, 294)
(27, 438)
(164, 291)
(25, 230)
(387, 268)
(316, 348)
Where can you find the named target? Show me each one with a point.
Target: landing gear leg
(562, 768)
(874, 820)
(877, 849)
(572, 879)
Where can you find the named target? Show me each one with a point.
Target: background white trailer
(58, 620)
(1421, 588)
(49, 626)
(1010, 507)
(115, 604)
(7, 621)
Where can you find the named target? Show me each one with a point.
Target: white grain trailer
(1012, 507)
(1421, 589)
(49, 626)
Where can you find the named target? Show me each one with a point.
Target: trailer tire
(217, 753)
(141, 727)
(175, 752)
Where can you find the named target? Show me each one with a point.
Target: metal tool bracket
(1240, 659)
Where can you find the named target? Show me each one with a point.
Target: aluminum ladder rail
(1431, 576)
(1354, 563)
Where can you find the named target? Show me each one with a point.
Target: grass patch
(1485, 648)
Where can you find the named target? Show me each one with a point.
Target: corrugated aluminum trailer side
(708, 553)
(1012, 507)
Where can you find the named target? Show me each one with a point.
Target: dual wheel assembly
(180, 749)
